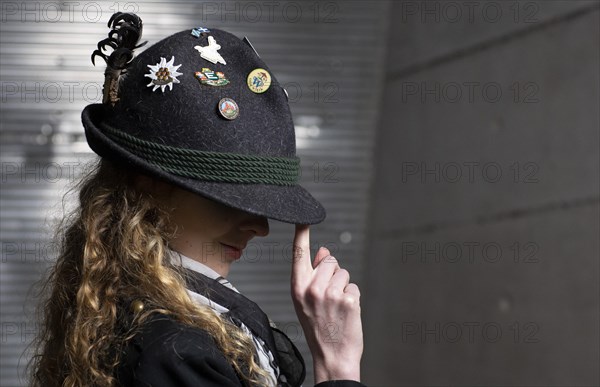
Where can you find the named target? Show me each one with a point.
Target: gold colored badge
(259, 80)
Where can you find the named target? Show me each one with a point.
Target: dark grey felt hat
(201, 110)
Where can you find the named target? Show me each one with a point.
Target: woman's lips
(231, 251)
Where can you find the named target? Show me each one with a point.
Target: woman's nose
(258, 224)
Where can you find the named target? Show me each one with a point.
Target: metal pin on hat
(198, 31)
(229, 109)
(210, 52)
(259, 80)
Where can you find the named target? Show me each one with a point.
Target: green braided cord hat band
(211, 166)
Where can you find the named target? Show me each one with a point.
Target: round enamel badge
(229, 108)
(259, 80)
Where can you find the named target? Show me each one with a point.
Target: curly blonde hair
(113, 247)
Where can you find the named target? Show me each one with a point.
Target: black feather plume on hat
(125, 33)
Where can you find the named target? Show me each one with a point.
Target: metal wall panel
(327, 55)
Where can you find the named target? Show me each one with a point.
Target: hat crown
(186, 113)
(200, 110)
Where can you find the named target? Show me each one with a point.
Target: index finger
(301, 266)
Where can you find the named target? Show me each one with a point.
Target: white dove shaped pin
(210, 52)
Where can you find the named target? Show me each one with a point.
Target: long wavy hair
(113, 247)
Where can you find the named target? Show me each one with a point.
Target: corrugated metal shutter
(328, 56)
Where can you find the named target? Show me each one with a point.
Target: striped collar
(265, 357)
(182, 260)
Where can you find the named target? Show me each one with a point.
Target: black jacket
(167, 353)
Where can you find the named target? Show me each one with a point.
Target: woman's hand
(328, 308)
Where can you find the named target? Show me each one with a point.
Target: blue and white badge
(199, 31)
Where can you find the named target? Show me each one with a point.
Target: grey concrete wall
(483, 258)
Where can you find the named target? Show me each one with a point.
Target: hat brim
(289, 204)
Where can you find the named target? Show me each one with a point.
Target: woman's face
(210, 232)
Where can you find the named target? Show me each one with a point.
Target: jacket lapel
(287, 357)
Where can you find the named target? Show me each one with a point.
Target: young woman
(197, 152)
